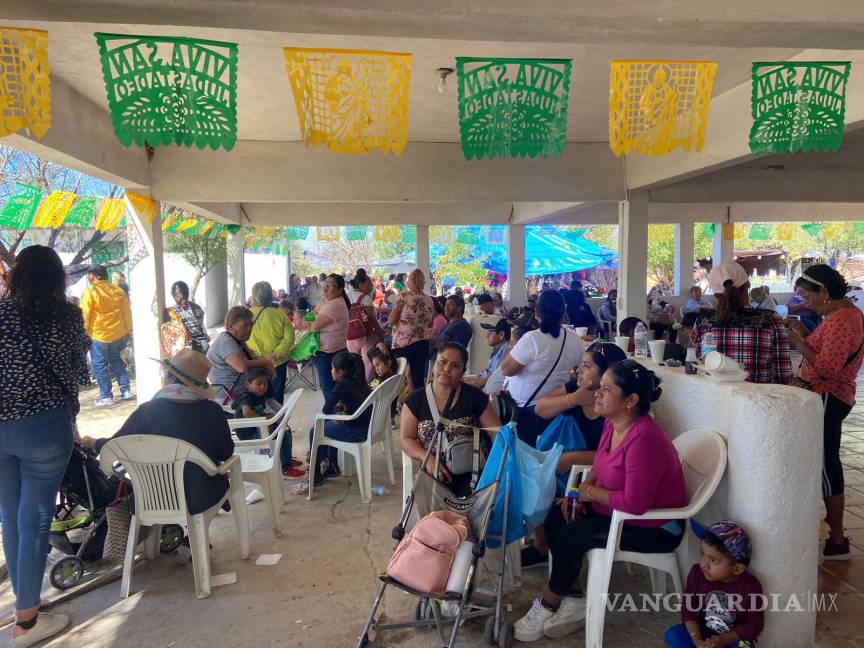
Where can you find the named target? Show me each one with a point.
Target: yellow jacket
(107, 315)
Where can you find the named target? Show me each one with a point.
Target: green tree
(661, 255)
(200, 252)
(603, 235)
(457, 264)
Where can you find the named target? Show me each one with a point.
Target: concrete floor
(334, 547)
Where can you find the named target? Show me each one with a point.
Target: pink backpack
(424, 557)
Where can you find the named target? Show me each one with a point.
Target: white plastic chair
(155, 465)
(266, 471)
(703, 459)
(380, 429)
(263, 424)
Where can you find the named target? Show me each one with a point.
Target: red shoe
(293, 473)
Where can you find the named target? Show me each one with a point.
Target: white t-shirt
(538, 351)
(354, 295)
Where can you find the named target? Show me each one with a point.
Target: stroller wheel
(423, 610)
(67, 572)
(172, 536)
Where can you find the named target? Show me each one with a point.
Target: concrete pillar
(683, 257)
(424, 261)
(633, 256)
(723, 249)
(236, 273)
(518, 292)
(216, 294)
(147, 275)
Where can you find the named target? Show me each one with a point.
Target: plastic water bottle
(377, 491)
(640, 340)
(709, 344)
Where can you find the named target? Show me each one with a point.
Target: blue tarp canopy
(547, 251)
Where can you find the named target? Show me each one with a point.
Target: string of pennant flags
(183, 91)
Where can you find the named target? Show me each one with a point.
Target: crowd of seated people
(477, 349)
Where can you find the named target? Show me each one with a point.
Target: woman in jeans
(636, 469)
(331, 321)
(42, 347)
(832, 357)
(411, 319)
(361, 295)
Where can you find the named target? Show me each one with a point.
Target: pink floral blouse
(415, 320)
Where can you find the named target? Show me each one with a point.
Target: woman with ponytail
(636, 470)
(540, 363)
(331, 321)
(360, 297)
(754, 338)
(832, 358)
(349, 392)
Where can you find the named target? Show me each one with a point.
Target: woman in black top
(576, 399)
(42, 347)
(349, 392)
(470, 407)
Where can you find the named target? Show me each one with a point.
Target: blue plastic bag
(510, 476)
(563, 430)
(536, 480)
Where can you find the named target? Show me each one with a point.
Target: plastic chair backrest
(703, 460)
(382, 398)
(285, 412)
(155, 464)
(401, 366)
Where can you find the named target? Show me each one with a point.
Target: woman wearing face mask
(230, 358)
(636, 469)
(470, 407)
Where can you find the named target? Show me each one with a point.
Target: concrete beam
(288, 172)
(752, 212)
(82, 137)
(340, 213)
(737, 23)
(727, 135)
(769, 182)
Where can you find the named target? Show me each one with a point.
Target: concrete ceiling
(271, 179)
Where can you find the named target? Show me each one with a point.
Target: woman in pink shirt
(636, 469)
(331, 321)
(411, 319)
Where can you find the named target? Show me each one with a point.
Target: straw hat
(190, 368)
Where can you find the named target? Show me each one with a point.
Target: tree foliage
(200, 252)
(457, 266)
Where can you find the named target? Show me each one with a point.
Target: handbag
(462, 455)
(359, 323)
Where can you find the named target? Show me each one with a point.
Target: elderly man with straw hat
(183, 410)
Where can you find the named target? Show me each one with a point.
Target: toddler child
(720, 593)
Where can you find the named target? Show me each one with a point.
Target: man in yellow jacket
(108, 322)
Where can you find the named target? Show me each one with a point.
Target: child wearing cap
(722, 602)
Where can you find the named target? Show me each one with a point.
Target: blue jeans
(678, 637)
(34, 452)
(322, 361)
(105, 355)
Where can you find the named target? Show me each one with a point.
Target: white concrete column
(147, 276)
(683, 258)
(236, 272)
(216, 294)
(518, 295)
(723, 250)
(424, 261)
(633, 256)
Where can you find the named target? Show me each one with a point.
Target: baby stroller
(427, 495)
(85, 494)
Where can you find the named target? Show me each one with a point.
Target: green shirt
(272, 333)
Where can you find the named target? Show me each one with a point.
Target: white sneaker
(530, 626)
(103, 402)
(569, 618)
(126, 395)
(47, 625)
